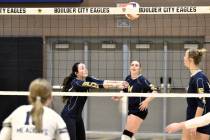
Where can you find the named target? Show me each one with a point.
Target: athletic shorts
(138, 113)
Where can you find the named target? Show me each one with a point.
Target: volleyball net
(111, 94)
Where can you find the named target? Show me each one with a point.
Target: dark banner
(41, 1)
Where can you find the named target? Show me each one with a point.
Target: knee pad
(125, 137)
(133, 138)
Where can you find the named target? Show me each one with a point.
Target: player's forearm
(64, 136)
(149, 99)
(199, 112)
(112, 84)
(5, 133)
(198, 122)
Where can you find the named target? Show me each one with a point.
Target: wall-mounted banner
(105, 10)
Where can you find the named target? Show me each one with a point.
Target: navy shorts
(204, 129)
(138, 113)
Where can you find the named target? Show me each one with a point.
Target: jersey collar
(137, 76)
(197, 71)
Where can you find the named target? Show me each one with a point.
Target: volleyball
(132, 6)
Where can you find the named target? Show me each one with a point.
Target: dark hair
(67, 80)
(196, 55)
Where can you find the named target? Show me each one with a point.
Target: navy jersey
(199, 84)
(75, 104)
(138, 85)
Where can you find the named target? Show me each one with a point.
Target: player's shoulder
(91, 78)
(141, 77)
(55, 118)
(128, 77)
(143, 80)
(21, 111)
(50, 112)
(200, 75)
(24, 108)
(76, 81)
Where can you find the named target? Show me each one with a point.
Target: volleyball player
(192, 123)
(199, 84)
(35, 121)
(137, 106)
(79, 81)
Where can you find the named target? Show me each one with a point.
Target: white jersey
(198, 122)
(18, 126)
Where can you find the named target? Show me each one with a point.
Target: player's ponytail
(196, 54)
(40, 92)
(202, 51)
(36, 114)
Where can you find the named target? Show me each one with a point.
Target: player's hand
(193, 131)
(122, 84)
(125, 84)
(144, 105)
(173, 127)
(116, 98)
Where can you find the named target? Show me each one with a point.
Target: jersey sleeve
(77, 84)
(200, 89)
(89, 83)
(6, 132)
(147, 86)
(198, 122)
(95, 80)
(61, 130)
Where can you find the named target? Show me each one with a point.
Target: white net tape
(109, 94)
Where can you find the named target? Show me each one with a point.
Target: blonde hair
(40, 91)
(196, 54)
